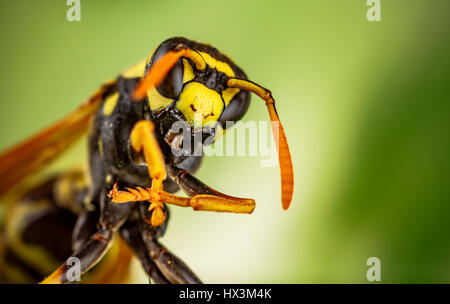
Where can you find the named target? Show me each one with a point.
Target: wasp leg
(201, 202)
(209, 198)
(193, 187)
(85, 226)
(202, 197)
(172, 267)
(159, 264)
(88, 255)
(131, 234)
(143, 140)
(111, 218)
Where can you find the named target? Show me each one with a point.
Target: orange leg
(201, 202)
(143, 140)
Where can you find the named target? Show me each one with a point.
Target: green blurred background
(365, 106)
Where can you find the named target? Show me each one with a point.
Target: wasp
(73, 217)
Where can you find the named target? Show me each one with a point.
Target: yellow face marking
(188, 72)
(220, 131)
(110, 104)
(228, 94)
(218, 65)
(157, 101)
(198, 100)
(223, 67)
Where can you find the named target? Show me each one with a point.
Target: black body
(88, 214)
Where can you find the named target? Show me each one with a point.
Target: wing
(39, 150)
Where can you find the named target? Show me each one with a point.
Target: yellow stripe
(157, 101)
(188, 72)
(218, 65)
(34, 255)
(134, 71)
(228, 94)
(110, 104)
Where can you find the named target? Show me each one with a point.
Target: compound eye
(236, 108)
(173, 83)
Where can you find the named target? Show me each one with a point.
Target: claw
(143, 195)
(158, 216)
(121, 196)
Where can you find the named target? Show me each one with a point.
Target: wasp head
(192, 88)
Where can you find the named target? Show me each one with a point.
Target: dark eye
(236, 108)
(173, 83)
